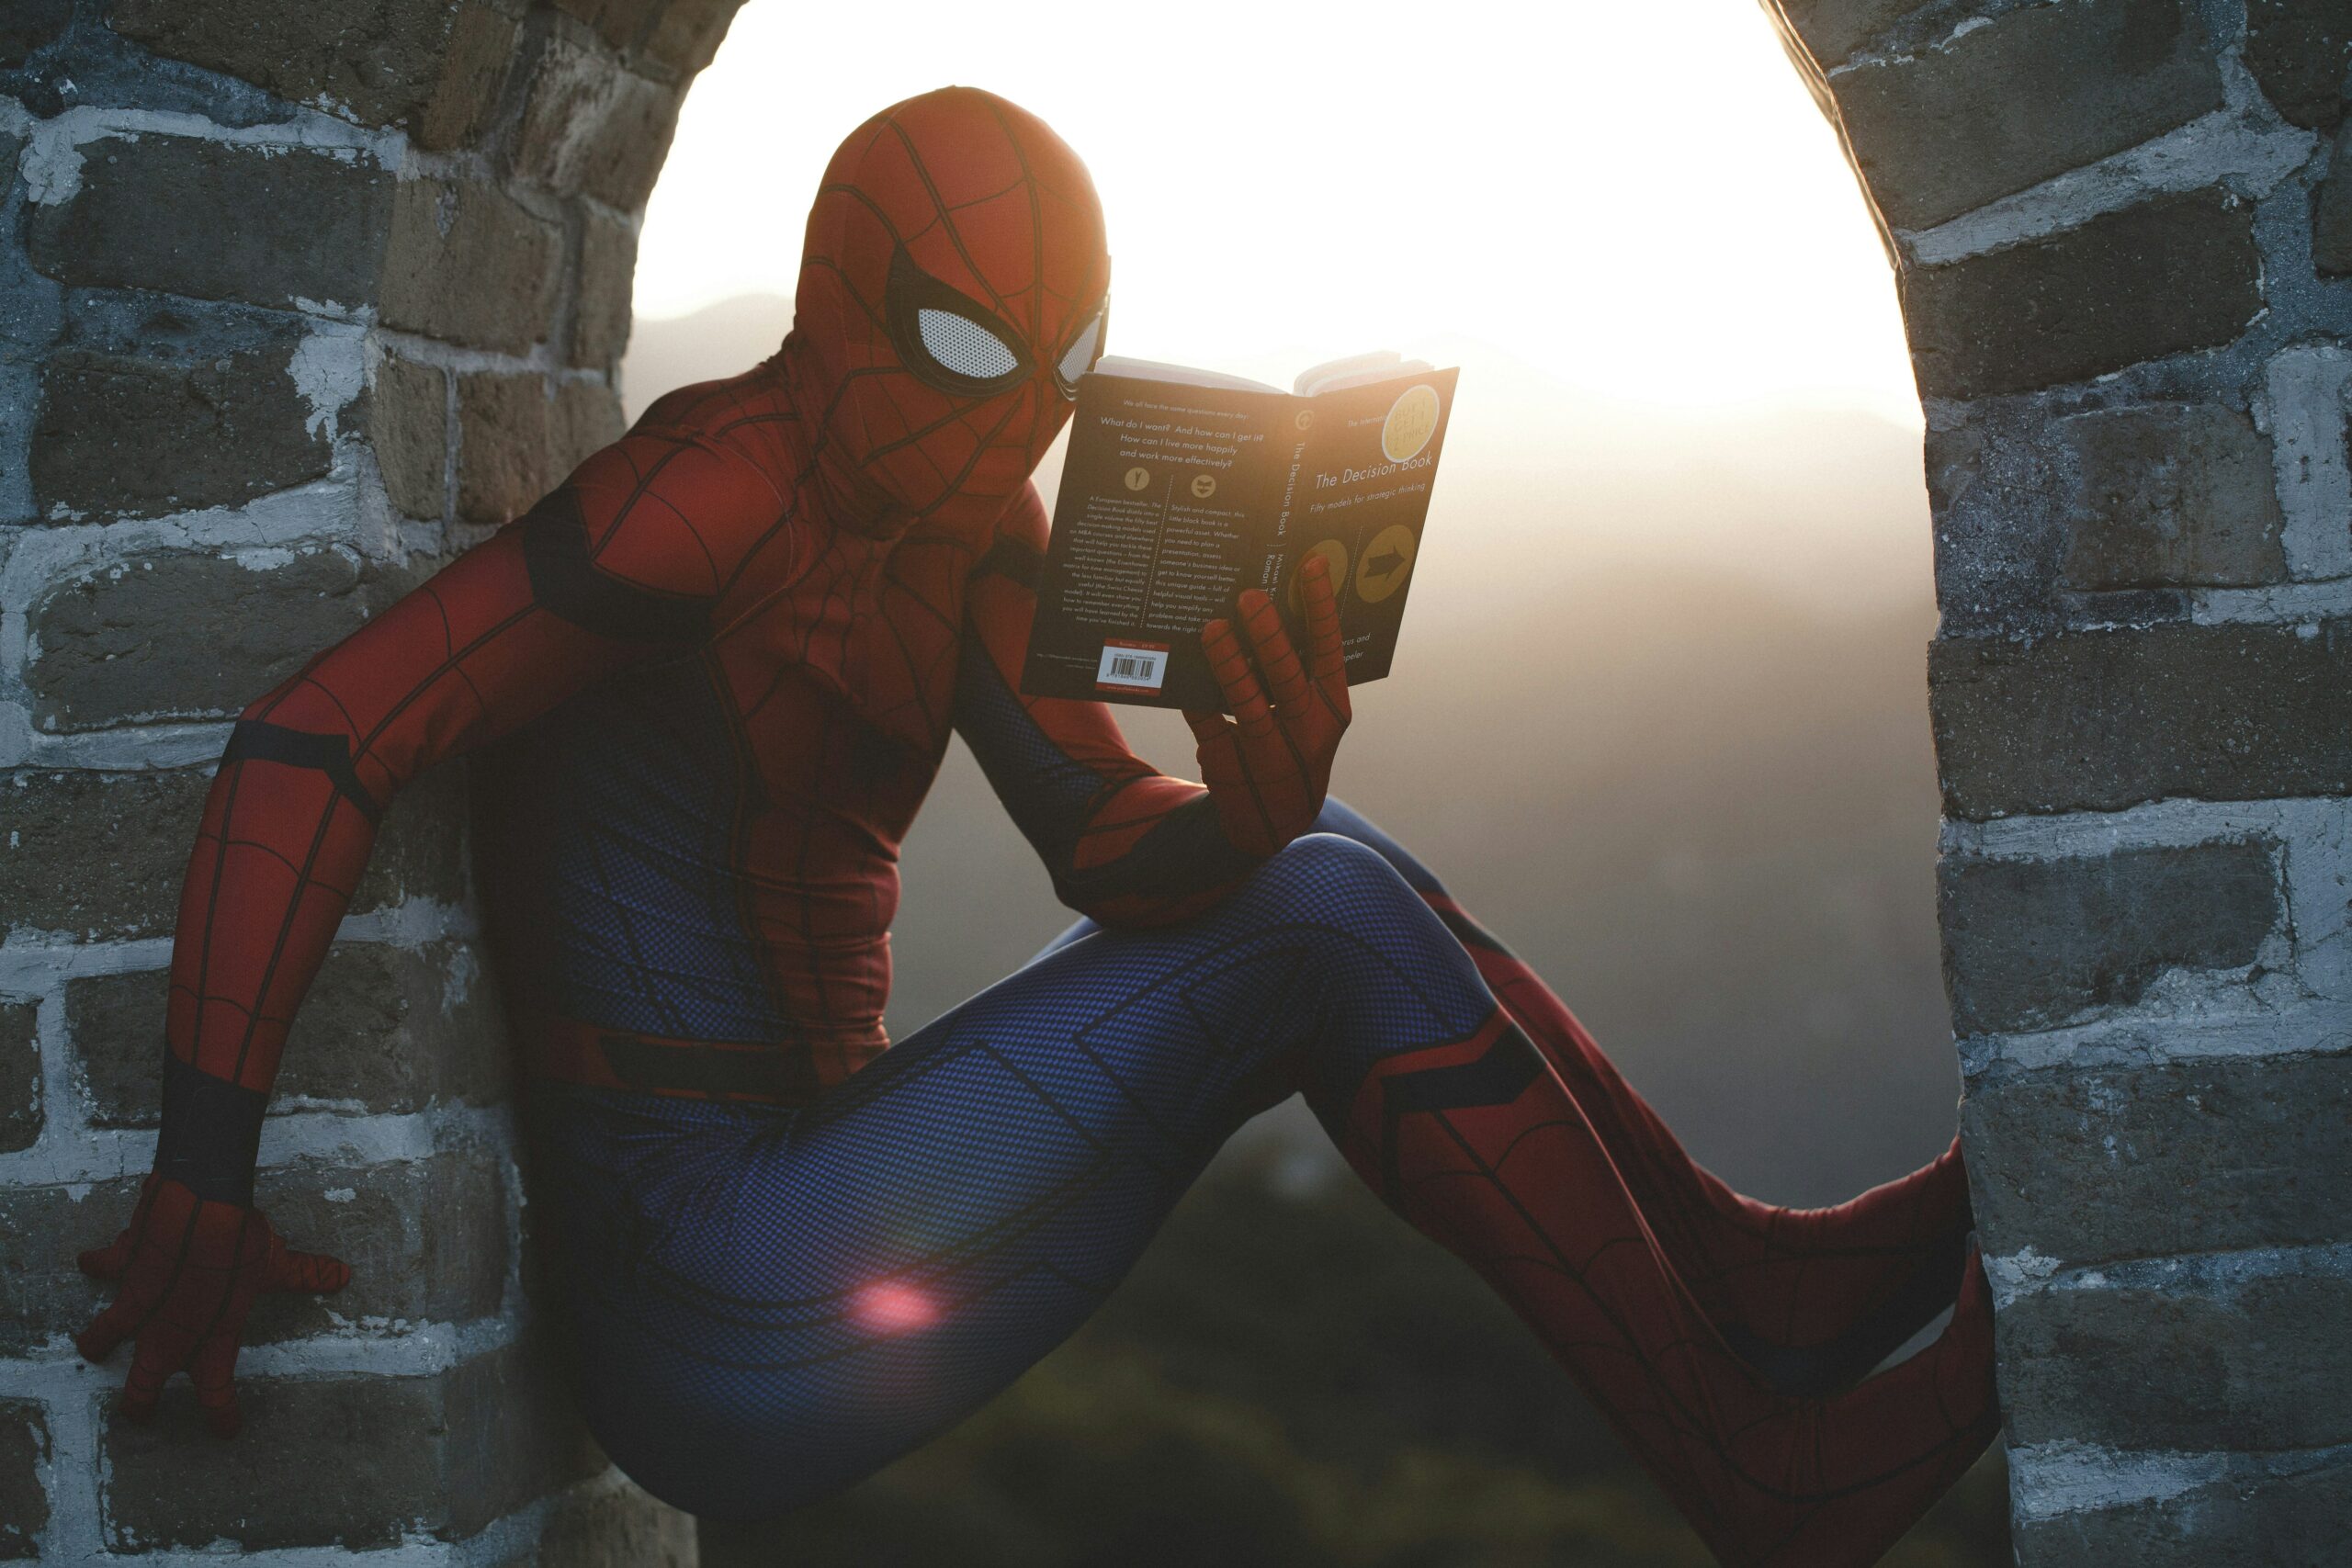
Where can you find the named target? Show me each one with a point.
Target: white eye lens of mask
(1080, 357)
(964, 346)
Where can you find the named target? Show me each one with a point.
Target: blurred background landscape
(1658, 718)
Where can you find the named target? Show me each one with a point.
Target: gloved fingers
(158, 1356)
(1230, 667)
(1285, 677)
(1208, 726)
(211, 1369)
(291, 1269)
(108, 1329)
(106, 1262)
(1326, 657)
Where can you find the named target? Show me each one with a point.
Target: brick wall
(2123, 234)
(297, 296)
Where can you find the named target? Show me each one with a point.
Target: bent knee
(1324, 873)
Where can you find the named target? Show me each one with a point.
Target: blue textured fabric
(772, 1303)
(619, 854)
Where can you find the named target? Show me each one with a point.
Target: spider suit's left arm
(1125, 843)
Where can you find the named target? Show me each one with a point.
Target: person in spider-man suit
(708, 682)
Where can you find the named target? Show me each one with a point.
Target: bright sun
(1639, 201)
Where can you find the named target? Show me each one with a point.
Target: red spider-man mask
(952, 290)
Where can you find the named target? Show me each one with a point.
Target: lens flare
(889, 1308)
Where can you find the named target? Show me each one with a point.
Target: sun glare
(1641, 202)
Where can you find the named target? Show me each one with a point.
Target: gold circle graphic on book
(1305, 417)
(1335, 562)
(1138, 478)
(1204, 486)
(1388, 562)
(1412, 420)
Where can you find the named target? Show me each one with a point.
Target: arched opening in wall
(1659, 716)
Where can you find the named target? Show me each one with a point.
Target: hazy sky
(1641, 201)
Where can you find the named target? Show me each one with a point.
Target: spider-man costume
(709, 680)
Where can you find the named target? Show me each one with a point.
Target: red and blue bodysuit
(707, 682)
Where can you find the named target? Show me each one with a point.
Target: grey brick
(29, 25)
(2036, 92)
(408, 419)
(308, 225)
(585, 415)
(2090, 1167)
(2167, 276)
(2170, 496)
(2099, 720)
(615, 1527)
(2032, 944)
(2332, 214)
(2272, 1513)
(426, 1241)
(686, 35)
(94, 854)
(384, 1029)
(352, 1462)
(423, 63)
(103, 855)
(587, 127)
(20, 1108)
(24, 1505)
(1832, 30)
(121, 436)
(2175, 1366)
(119, 641)
(504, 460)
(468, 264)
(600, 320)
(2301, 51)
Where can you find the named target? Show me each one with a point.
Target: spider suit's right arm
(623, 561)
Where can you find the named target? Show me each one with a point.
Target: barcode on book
(1131, 665)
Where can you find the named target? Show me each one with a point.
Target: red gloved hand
(1269, 767)
(190, 1269)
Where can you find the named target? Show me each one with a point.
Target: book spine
(1287, 466)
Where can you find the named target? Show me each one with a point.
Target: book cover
(1176, 496)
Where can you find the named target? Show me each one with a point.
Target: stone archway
(298, 297)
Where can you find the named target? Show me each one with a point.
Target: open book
(1183, 487)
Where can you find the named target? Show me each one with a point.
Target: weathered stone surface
(425, 1240)
(1938, 134)
(2258, 1517)
(2089, 1166)
(2175, 274)
(430, 66)
(421, 848)
(504, 461)
(587, 127)
(26, 25)
(20, 1108)
(119, 435)
(2332, 214)
(354, 1462)
(687, 33)
(603, 1525)
(308, 225)
(473, 69)
(2096, 721)
(1832, 30)
(469, 263)
(585, 416)
(2301, 51)
(2028, 944)
(2182, 1364)
(24, 1506)
(408, 419)
(186, 635)
(384, 1029)
(2170, 496)
(94, 854)
(608, 276)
